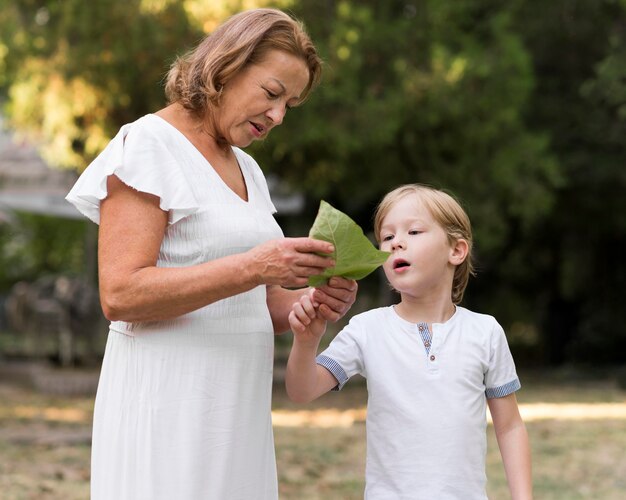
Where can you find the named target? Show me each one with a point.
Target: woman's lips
(257, 130)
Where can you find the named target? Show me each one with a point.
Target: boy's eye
(414, 231)
(388, 237)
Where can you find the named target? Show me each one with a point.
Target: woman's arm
(334, 300)
(514, 445)
(132, 288)
(279, 302)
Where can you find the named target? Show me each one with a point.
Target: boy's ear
(458, 251)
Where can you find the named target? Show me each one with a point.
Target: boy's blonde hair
(448, 213)
(196, 79)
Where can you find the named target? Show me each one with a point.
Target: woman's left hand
(335, 298)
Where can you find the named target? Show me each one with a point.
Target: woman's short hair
(196, 79)
(448, 213)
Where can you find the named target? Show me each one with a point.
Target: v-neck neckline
(244, 172)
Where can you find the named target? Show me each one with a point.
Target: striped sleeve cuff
(333, 367)
(503, 390)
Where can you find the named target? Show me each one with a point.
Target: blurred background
(518, 108)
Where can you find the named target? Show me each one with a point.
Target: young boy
(431, 366)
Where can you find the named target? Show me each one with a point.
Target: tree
(517, 108)
(580, 100)
(75, 72)
(434, 92)
(71, 74)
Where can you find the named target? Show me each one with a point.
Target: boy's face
(421, 261)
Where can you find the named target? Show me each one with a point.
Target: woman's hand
(289, 261)
(335, 298)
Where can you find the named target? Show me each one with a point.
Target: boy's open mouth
(399, 263)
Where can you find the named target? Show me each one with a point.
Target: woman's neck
(200, 131)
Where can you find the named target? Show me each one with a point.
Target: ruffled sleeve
(141, 160)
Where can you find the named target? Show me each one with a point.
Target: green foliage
(355, 256)
(580, 100)
(76, 70)
(434, 93)
(35, 245)
(518, 108)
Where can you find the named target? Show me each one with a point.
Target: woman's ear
(458, 251)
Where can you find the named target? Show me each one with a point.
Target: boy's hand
(305, 321)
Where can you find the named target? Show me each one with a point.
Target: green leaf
(355, 256)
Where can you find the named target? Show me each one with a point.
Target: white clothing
(183, 409)
(426, 411)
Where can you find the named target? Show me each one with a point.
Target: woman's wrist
(249, 270)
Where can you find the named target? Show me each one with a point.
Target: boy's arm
(514, 446)
(305, 380)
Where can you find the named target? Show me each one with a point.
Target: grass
(578, 460)
(320, 448)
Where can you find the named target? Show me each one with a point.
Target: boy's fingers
(308, 307)
(311, 296)
(295, 323)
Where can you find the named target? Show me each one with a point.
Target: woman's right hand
(289, 261)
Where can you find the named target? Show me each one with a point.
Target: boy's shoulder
(468, 314)
(372, 314)
(369, 320)
(475, 319)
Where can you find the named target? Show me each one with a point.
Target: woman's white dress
(183, 409)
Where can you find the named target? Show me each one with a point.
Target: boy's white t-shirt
(426, 411)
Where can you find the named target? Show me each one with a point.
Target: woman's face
(257, 98)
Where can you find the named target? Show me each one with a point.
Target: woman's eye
(271, 94)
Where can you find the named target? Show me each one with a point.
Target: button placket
(426, 336)
(432, 362)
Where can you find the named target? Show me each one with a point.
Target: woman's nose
(276, 114)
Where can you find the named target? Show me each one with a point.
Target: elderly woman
(192, 269)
